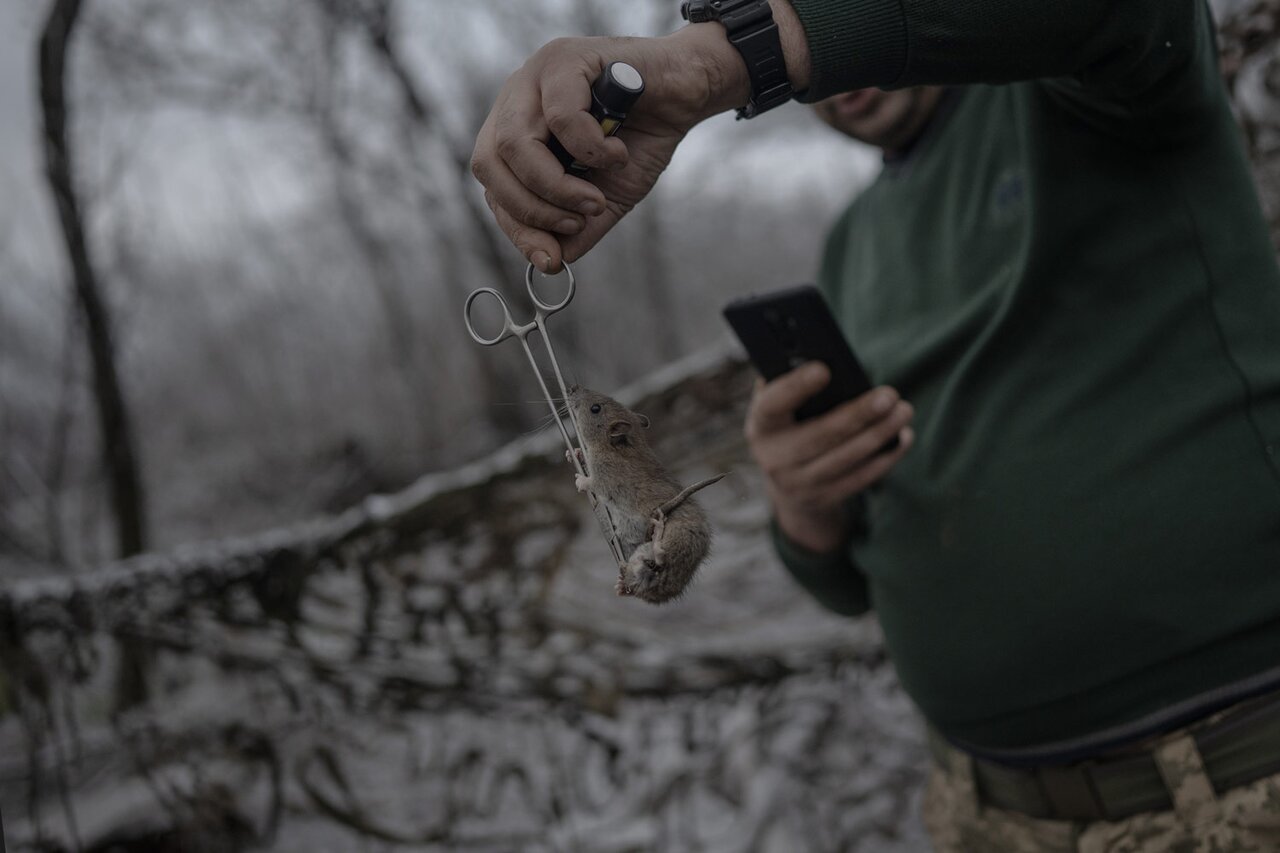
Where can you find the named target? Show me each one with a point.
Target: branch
(119, 455)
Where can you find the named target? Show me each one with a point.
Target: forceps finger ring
(508, 325)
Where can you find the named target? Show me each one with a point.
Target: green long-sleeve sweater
(1070, 279)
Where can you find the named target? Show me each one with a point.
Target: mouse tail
(667, 507)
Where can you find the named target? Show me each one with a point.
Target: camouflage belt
(1238, 746)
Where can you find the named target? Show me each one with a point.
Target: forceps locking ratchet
(510, 329)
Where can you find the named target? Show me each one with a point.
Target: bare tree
(119, 454)
(421, 120)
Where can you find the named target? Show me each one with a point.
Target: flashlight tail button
(613, 93)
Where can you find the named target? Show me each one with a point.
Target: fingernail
(541, 260)
(882, 402)
(617, 167)
(568, 226)
(590, 208)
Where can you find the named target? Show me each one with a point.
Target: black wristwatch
(750, 27)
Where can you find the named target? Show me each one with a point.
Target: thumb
(774, 405)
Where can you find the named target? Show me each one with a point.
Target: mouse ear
(644, 420)
(618, 431)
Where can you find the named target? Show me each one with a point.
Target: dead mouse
(664, 533)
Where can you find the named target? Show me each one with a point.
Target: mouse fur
(663, 531)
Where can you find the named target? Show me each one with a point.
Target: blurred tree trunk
(117, 436)
(61, 441)
(498, 380)
(374, 251)
(655, 278)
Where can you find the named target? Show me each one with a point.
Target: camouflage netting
(449, 669)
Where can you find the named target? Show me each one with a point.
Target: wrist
(716, 70)
(795, 44)
(710, 71)
(819, 531)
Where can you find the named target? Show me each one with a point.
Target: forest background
(276, 227)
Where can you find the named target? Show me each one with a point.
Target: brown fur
(663, 531)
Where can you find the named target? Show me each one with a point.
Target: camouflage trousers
(1245, 819)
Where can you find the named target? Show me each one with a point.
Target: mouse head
(605, 422)
(650, 582)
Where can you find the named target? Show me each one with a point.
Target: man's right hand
(552, 216)
(689, 75)
(812, 467)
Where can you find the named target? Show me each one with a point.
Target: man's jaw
(858, 103)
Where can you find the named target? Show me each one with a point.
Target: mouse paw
(583, 483)
(622, 587)
(658, 526)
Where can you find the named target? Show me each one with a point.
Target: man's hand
(552, 216)
(812, 467)
(690, 75)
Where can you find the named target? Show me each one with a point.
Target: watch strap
(752, 31)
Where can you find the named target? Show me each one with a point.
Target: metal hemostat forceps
(543, 310)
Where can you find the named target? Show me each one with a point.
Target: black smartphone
(783, 329)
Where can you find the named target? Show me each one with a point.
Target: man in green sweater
(1074, 550)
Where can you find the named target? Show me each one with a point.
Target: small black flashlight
(612, 94)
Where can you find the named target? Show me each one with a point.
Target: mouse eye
(595, 408)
